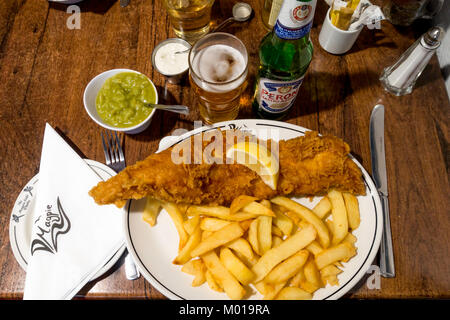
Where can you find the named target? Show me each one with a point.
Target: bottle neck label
(277, 96)
(295, 19)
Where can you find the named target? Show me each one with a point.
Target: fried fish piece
(309, 165)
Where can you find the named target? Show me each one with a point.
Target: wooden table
(44, 67)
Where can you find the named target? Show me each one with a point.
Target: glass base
(192, 36)
(213, 116)
(394, 90)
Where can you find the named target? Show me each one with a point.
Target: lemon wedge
(258, 158)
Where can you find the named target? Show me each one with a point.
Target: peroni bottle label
(277, 96)
(295, 19)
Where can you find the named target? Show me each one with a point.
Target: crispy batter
(309, 165)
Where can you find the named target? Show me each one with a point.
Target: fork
(115, 159)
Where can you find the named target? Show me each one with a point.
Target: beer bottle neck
(295, 19)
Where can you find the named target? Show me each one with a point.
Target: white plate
(21, 221)
(154, 248)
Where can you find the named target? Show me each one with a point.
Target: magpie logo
(50, 225)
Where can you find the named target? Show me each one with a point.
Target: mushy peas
(121, 102)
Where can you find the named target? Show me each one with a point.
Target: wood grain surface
(45, 66)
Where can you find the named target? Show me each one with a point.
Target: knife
(376, 134)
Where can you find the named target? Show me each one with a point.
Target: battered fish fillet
(309, 165)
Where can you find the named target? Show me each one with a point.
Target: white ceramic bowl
(90, 96)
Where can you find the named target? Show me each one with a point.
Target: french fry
(276, 240)
(298, 278)
(339, 213)
(213, 224)
(191, 224)
(253, 236)
(283, 251)
(314, 247)
(240, 202)
(218, 238)
(264, 233)
(197, 269)
(206, 234)
(237, 268)
(350, 238)
(151, 211)
(182, 208)
(230, 284)
(308, 216)
(288, 268)
(258, 209)
(185, 253)
(312, 274)
(308, 286)
(200, 277)
(323, 208)
(283, 222)
(242, 246)
(220, 212)
(249, 262)
(293, 293)
(178, 220)
(271, 291)
(330, 270)
(330, 226)
(303, 224)
(245, 224)
(212, 283)
(352, 206)
(266, 203)
(191, 266)
(276, 231)
(331, 279)
(295, 218)
(337, 253)
(261, 286)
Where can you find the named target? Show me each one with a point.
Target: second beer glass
(190, 19)
(218, 67)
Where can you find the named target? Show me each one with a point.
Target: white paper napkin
(72, 237)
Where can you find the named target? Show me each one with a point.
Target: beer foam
(219, 64)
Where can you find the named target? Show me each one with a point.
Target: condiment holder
(90, 97)
(335, 40)
(173, 66)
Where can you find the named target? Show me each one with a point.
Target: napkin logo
(50, 226)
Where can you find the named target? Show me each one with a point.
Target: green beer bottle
(285, 54)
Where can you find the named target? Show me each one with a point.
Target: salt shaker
(399, 79)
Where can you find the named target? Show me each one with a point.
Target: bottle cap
(434, 36)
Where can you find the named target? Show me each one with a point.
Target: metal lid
(434, 36)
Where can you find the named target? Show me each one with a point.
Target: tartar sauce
(168, 62)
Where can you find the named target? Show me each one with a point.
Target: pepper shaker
(400, 78)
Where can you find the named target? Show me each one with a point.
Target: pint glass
(218, 67)
(190, 19)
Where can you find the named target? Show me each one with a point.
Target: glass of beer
(190, 19)
(218, 67)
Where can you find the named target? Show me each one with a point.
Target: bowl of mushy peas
(119, 100)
